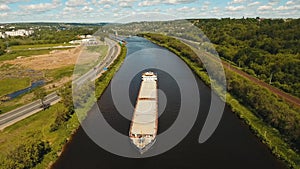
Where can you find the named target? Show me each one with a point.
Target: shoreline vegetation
(276, 131)
(40, 142)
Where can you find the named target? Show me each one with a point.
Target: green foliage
(56, 74)
(40, 93)
(26, 155)
(261, 47)
(12, 85)
(24, 53)
(64, 115)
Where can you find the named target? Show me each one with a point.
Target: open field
(25, 47)
(53, 60)
(12, 85)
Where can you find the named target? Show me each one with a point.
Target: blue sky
(115, 10)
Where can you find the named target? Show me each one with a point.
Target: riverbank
(39, 129)
(269, 135)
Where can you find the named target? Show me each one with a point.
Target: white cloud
(236, 2)
(106, 2)
(10, 1)
(4, 7)
(41, 7)
(264, 7)
(177, 1)
(273, 2)
(235, 8)
(126, 3)
(87, 9)
(75, 3)
(186, 9)
(107, 6)
(3, 14)
(253, 3)
(149, 3)
(290, 3)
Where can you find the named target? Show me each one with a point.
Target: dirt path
(292, 99)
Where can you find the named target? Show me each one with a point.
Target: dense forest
(266, 48)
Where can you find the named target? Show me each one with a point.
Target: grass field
(56, 74)
(25, 47)
(25, 53)
(11, 85)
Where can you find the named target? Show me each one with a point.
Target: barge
(144, 124)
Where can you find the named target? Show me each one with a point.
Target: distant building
(19, 32)
(86, 42)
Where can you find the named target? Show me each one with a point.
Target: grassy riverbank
(276, 139)
(47, 132)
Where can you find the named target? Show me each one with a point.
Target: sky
(95, 11)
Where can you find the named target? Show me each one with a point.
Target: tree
(40, 94)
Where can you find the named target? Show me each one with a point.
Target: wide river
(232, 146)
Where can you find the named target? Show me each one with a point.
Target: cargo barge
(144, 124)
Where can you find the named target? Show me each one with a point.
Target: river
(232, 146)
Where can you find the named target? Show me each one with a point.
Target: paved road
(113, 52)
(23, 112)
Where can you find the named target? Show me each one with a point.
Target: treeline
(266, 48)
(47, 36)
(271, 109)
(51, 36)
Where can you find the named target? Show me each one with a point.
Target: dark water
(232, 146)
(28, 89)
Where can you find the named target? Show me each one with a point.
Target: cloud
(87, 9)
(149, 3)
(253, 3)
(41, 7)
(4, 7)
(105, 2)
(186, 9)
(126, 3)
(76, 3)
(273, 2)
(264, 7)
(178, 1)
(236, 2)
(235, 8)
(3, 14)
(10, 1)
(290, 3)
(107, 6)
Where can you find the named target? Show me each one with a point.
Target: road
(291, 99)
(113, 52)
(14, 116)
(23, 112)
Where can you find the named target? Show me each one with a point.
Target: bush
(27, 155)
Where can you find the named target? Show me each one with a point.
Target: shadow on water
(232, 146)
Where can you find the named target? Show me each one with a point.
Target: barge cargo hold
(144, 124)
